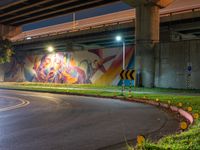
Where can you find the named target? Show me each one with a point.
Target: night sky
(119, 6)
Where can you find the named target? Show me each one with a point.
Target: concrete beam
(159, 3)
(9, 31)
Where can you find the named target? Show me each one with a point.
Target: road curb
(186, 115)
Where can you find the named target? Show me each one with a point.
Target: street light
(120, 39)
(50, 48)
(29, 38)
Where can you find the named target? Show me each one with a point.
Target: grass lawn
(188, 140)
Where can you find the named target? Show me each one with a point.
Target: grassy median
(187, 140)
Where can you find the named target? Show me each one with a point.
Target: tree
(6, 50)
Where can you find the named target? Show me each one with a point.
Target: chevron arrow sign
(127, 74)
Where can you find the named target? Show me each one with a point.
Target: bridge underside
(26, 11)
(177, 26)
(104, 38)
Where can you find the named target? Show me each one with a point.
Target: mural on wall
(15, 70)
(82, 67)
(57, 68)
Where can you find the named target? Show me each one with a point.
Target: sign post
(189, 72)
(127, 75)
(122, 75)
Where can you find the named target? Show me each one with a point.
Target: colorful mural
(82, 67)
(58, 68)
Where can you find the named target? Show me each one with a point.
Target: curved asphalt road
(43, 121)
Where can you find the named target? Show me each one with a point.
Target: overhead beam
(159, 3)
(16, 11)
(62, 11)
(13, 4)
(10, 19)
(31, 13)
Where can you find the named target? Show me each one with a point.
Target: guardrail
(182, 10)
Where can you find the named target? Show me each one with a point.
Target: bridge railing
(175, 11)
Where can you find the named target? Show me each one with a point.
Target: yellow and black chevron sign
(127, 74)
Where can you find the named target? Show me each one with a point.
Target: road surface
(44, 121)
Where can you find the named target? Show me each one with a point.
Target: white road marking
(22, 104)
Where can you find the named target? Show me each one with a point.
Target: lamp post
(119, 39)
(124, 55)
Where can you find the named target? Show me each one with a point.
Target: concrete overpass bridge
(147, 18)
(105, 27)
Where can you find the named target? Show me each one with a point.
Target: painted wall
(99, 66)
(102, 66)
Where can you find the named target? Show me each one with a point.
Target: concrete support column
(9, 31)
(147, 35)
(2, 72)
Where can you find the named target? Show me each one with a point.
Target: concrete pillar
(147, 35)
(2, 72)
(9, 31)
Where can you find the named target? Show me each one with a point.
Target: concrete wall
(173, 60)
(98, 66)
(171, 66)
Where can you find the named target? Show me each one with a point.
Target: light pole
(124, 55)
(119, 39)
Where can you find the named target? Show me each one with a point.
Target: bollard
(189, 109)
(140, 140)
(180, 105)
(196, 116)
(183, 125)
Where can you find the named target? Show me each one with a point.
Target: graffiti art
(88, 67)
